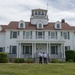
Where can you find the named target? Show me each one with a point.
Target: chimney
(63, 21)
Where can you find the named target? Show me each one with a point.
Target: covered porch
(31, 50)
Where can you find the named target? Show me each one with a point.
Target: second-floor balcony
(41, 38)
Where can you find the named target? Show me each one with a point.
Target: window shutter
(10, 34)
(61, 33)
(68, 35)
(10, 49)
(56, 35)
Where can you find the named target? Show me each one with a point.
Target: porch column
(47, 49)
(19, 53)
(32, 51)
(62, 50)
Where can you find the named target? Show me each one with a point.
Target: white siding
(2, 39)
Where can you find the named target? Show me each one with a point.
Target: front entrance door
(40, 48)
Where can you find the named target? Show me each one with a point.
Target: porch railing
(55, 38)
(12, 55)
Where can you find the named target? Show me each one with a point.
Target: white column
(47, 48)
(49, 51)
(61, 51)
(32, 51)
(19, 50)
(35, 49)
(64, 51)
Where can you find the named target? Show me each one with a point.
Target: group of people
(43, 56)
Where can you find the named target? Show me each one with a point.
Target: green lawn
(38, 69)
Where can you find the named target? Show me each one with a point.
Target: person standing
(45, 58)
(40, 57)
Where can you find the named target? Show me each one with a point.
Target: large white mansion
(26, 39)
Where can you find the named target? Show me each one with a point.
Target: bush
(19, 60)
(29, 61)
(3, 57)
(70, 60)
(54, 61)
(70, 55)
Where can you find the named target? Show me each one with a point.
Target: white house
(26, 39)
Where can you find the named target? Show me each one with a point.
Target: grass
(37, 69)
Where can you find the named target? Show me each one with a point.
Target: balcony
(40, 38)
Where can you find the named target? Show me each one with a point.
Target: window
(40, 25)
(1, 49)
(67, 48)
(27, 49)
(40, 34)
(58, 26)
(54, 49)
(29, 35)
(53, 34)
(13, 49)
(39, 13)
(21, 25)
(66, 35)
(42, 13)
(35, 12)
(14, 34)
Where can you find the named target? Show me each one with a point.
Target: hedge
(3, 57)
(19, 60)
(70, 55)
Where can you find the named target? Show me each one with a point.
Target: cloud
(16, 10)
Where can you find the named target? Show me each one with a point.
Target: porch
(31, 50)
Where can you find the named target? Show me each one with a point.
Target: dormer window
(39, 25)
(21, 24)
(57, 25)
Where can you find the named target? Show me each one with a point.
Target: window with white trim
(14, 34)
(13, 49)
(57, 25)
(40, 25)
(21, 25)
(53, 34)
(54, 50)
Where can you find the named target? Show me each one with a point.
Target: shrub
(54, 61)
(3, 57)
(70, 55)
(29, 60)
(62, 61)
(70, 60)
(19, 60)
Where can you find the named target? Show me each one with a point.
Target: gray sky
(16, 10)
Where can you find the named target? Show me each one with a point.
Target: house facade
(26, 39)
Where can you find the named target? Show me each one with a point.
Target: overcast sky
(16, 10)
